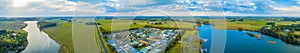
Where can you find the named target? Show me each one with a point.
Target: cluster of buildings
(142, 40)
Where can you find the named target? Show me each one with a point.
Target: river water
(39, 41)
(241, 42)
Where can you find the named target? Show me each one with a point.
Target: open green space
(84, 36)
(12, 25)
(119, 25)
(245, 25)
(287, 23)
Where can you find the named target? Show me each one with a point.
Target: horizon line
(132, 15)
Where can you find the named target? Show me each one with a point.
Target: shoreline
(58, 42)
(61, 45)
(260, 31)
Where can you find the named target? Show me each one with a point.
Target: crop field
(62, 34)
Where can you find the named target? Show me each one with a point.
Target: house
(155, 22)
(287, 30)
(144, 42)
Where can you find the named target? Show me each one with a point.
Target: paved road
(100, 36)
(84, 36)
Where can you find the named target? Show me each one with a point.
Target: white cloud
(43, 7)
(288, 11)
(22, 3)
(139, 2)
(178, 13)
(64, 7)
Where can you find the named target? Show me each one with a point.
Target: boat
(271, 42)
(204, 40)
(254, 35)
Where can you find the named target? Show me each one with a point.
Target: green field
(12, 25)
(62, 34)
(252, 25)
(287, 23)
(84, 36)
(119, 25)
(245, 25)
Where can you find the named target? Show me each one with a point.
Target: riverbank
(39, 41)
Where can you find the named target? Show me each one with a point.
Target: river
(39, 41)
(241, 42)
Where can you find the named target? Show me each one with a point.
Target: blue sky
(150, 7)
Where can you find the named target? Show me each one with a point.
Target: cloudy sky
(150, 7)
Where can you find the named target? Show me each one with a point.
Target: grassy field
(253, 25)
(84, 36)
(245, 25)
(297, 33)
(287, 23)
(118, 25)
(62, 34)
(115, 25)
(12, 25)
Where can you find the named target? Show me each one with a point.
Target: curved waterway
(39, 41)
(241, 42)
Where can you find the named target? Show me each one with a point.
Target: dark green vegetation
(12, 41)
(44, 24)
(286, 33)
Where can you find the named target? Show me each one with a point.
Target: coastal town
(142, 40)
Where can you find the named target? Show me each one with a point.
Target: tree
(293, 30)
